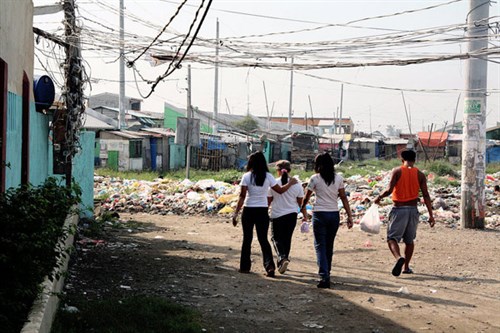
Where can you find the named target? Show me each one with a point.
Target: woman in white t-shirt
(255, 185)
(328, 187)
(284, 214)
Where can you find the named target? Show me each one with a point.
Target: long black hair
(323, 164)
(284, 165)
(257, 164)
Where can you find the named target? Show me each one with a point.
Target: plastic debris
(210, 197)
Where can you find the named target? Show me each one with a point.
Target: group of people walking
(259, 190)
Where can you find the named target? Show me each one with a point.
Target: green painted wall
(13, 144)
(83, 172)
(170, 120)
(493, 134)
(39, 144)
(177, 155)
(41, 155)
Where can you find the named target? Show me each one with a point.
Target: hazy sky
(242, 88)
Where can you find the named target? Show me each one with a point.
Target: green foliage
(226, 175)
(445, 182)
(492, 168)
(134, 314)
(368, 167)
(139, 175)
(32, 224)
(442, 168)
(247, 124)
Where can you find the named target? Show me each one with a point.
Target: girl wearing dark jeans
(328, 187)
(254, 187)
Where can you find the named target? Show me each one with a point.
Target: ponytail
(284, 176)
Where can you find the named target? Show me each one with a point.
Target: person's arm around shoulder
(284, 188)
(243, 194)
(396, 174)
(422, 180)
(347, 208)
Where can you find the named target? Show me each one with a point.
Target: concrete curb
(45, 306)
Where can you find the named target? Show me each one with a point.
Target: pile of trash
(210, 197)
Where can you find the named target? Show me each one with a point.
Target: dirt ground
(193, 260)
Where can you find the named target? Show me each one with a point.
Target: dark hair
(257, 164)
(284, 165)
(323, 164)
(409, 155)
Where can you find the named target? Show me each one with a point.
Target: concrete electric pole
(216, 83)
(474, 118)
(121, 103)
(291, 99)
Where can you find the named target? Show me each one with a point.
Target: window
(135, 149)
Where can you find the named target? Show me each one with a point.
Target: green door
(113, 159)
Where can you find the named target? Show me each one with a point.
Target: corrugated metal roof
(433, 139)
(96, 124)
(127, 134)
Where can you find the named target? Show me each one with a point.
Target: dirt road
(194, 260)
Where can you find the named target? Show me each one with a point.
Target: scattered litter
(312, 325)
(209, 197)
(433, 291)
(126, 287)
(71, 309)
(404, 290)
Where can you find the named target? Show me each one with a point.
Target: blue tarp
(493, 154)
(215, 145)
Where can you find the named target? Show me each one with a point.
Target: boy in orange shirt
(405, 184)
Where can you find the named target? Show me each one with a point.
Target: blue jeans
(325, 226)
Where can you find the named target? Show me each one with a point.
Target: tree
(247, 124)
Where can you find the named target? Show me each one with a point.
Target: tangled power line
(389, 48)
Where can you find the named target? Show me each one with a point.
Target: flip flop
(408, 271)
(396, 271)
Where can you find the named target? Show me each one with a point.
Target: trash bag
(304, 227)
(370, 222)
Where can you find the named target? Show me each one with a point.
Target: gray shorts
(403, 222)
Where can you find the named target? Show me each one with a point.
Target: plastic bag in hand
(370, 222)
(304, 227)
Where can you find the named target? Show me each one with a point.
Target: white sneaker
(284, 266)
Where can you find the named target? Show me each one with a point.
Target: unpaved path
(193, 260)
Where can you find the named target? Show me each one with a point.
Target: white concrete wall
(16, 41)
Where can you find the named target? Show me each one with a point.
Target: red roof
(433, 139)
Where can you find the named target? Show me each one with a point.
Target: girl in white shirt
(255, 185)
(284, 214)
(328, 187)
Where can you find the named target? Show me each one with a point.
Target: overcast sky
(241, 89)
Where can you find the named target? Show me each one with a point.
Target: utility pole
(370, 113)
(474, 134)
(216, 83)
(455, 113)
(341, 106)
(267, 107)
(291, 98)
(189, 115)
(121, 103)
(312, 114)
(406, 113)
(73, 92)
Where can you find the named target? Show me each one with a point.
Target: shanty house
(432, 145)
(122, 150)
